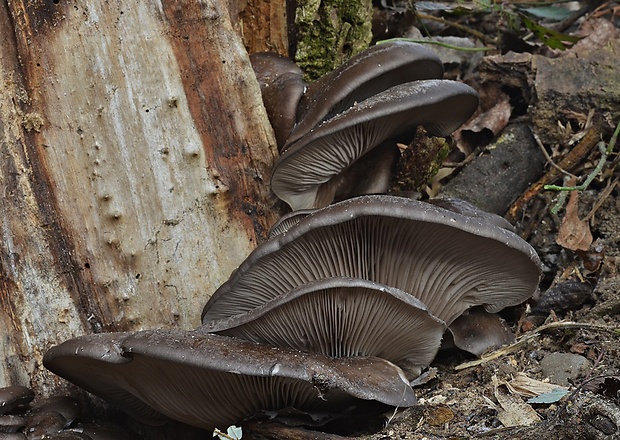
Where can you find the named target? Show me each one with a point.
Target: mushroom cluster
(342, 140)
(347, 301)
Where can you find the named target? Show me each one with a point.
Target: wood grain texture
(135, 156)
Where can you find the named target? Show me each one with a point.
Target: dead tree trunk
(135, 158)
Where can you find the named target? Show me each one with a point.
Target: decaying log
(135, 157)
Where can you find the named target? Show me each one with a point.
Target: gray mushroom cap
(370, 72)
(343, 317)
(447, 260)
(478, 331)
(328, 150)
(282, 86)
(213, 381)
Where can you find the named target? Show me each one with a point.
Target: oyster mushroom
(343, 317)
(213, 381)
(370, 72)
(282, 86)
(449, 261)
(303, 174)
(14, 396)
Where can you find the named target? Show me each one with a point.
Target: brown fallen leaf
(574, 233)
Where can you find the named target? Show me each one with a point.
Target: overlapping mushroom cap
(343, 317)
(447, 260)
(214, 381)
(282, 86)
(302, 174)
(370, 72)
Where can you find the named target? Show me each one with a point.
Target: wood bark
(135, 157)
(263, 24)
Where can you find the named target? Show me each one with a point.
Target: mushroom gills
(332, 147)
(449, 261)
(343, 317)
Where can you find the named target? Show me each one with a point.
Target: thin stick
(547, 157)
(569, 162)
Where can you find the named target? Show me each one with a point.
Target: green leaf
(549, 12)
(551, 38)
(551, 397)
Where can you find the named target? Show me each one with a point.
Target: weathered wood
(135, 157)
(262, 24)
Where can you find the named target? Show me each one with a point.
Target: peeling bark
(135, 157)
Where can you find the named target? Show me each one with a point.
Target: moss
(420, 162)
(330, 32)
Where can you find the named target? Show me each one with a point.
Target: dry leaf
(574, 233)
(528, 387)
(514, 411)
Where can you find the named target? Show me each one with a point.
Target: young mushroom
(343, 317)
(282, 86)
(449, 261)
(212, 381)
(303, 173)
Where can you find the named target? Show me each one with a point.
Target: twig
(569, 162)
(547, 157)
(589, 179)
(223, 434)
(605, 151)
(601, 199)
(475, 33)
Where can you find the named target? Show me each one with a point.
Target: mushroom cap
(369, 72)
(449, 261)
(213, 381)
(282, 86)
(463, 207)
(342, 317)
(13, 396)
(329, 149)
(479, 331)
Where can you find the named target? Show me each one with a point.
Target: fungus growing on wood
(478, 331)
(213, 381)
(447, 260)
(14, 396)
(282, 86)
(302, 175)
(370, 72)
(343, 317)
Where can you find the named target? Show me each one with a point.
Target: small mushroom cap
(13, 396)
(478, 331)
(329, 149)
(343, 317)
(370, 72)
(447, 260)
(282, 86)
(10, 423)
(213, 381)
(68, 407)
